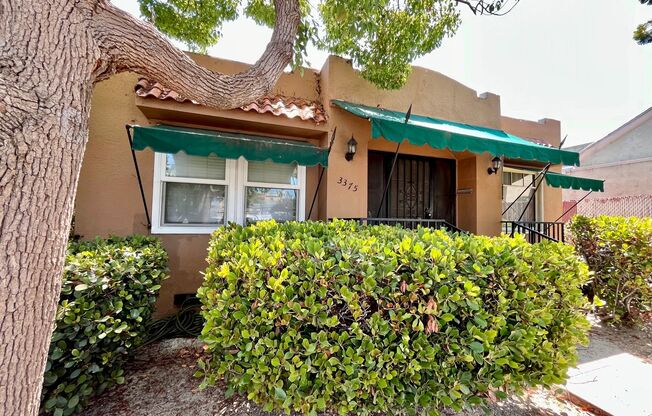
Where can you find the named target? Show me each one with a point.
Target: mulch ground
(160, 381)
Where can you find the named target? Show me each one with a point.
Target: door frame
(454, 190)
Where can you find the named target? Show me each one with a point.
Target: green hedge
(308, 316)
(618, 251)
(108, 294)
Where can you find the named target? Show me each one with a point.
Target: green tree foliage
(643, 33)
(311, 315)
(618, 251)
(108, 294)
(381, 37)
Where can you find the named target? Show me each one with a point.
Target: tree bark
(45, 90)
(129, 44)
(51, 54)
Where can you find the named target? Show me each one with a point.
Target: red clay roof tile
(277, 105)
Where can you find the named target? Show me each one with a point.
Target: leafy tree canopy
(381, 37)
(643, 33)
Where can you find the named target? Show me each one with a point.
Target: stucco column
(347, 180)
(488, 197)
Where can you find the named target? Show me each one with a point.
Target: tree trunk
(45, 90)
(51, 54)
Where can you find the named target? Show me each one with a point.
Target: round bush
(619, 252)
(107, 297)
(312, 316)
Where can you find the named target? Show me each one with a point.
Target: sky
(571, 60)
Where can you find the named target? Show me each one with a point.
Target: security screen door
(420, 188)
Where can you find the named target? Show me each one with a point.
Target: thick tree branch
(128, 44)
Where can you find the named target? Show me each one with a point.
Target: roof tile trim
(277, 105)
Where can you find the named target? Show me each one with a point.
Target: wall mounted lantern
(496, 162)
(352, 145)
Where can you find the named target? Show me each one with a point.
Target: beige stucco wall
(108, 199)
(293, 84)
(546, 129)
(430, 94)
(620, 179)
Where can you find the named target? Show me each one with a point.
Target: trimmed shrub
(108, 294)
(358, 319)
(618, 251)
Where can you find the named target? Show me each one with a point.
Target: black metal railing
(410, 223)
(535, 232)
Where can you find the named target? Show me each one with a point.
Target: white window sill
(183, 230)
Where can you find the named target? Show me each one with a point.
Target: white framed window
(196, 194)
(520, 183)
(270, 191)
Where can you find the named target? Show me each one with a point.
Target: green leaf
(321, 403)
(447, 317)
(476, 347)
(442, 292)
(280, 393)
(73, 401)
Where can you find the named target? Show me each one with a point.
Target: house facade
(623, 159)
(456, 160)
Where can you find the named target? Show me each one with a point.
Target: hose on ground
(187, 323)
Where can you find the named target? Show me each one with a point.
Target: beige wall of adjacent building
(623, 159)
(108, 198)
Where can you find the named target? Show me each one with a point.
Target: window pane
(270, 172)
(189, 203)
(517, 179)
(202, 167)
(506, 178)
(270, 203)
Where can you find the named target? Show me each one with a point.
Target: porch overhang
(198, 142)
(458, 137)
(574, 182)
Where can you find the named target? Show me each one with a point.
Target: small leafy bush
(618, 251)
(108, 294)
(360, 319)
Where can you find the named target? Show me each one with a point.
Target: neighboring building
(442, 170)
(623, 159)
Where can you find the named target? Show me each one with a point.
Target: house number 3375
(347, 184)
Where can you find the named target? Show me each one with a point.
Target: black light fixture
(495, 165)
(352, 145)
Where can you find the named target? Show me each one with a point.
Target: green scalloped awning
(198, 142)
(573, 182)
(458, 137)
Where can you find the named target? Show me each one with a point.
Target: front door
(420, 187)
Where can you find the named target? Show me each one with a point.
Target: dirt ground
(159, 381)
(635, 340)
